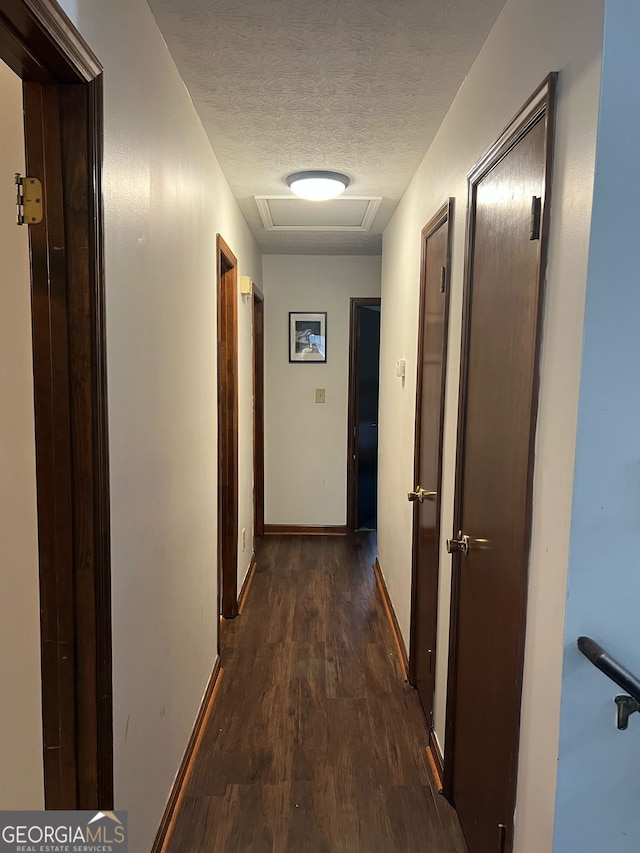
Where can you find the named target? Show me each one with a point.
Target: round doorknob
(461, 544)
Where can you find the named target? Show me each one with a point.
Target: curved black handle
(610, 666)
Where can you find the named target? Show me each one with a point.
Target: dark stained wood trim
(40, 43)
(53, 448)
(227, 429)
(63, 142)
(80, 107)
(540, 107)
(258, 414)
(352, 444)
(101, 508)
(434, 760)
(246, 583)
(258, 295)
(174, 803)
(304, 530)
(403, 660)
(444, 214)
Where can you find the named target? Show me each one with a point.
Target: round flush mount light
(318, 185)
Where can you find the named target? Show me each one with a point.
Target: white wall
(165, 199)
(21, 763)
(305, 441)
(597, 799)
(527, 42)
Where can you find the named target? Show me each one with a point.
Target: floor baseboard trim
(435, 762)
(304, 530)
(246, 583)
(393, 621)
(170, 816)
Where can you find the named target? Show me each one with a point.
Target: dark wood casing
(227, 430)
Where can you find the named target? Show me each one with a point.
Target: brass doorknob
(460, 544)
(421, 494)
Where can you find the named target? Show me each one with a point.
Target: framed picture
(307, 336)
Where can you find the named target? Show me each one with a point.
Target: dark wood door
(432, 345)
(495, 458)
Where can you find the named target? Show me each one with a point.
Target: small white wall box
(246, 285)
(400, 367)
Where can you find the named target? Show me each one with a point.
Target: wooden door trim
(63, 141)
(258, 420)
(352, 445)
(227, 337)
(540, 107)
(444, 214)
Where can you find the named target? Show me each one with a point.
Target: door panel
(429, 421)
(493, 499)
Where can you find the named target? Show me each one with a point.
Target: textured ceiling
(356, 86)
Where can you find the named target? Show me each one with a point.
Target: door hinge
(431, 726)
(502, 838)
(28, 200)
(430, 660)
(536, 211)
(443, 279)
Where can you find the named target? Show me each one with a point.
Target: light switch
(320, 395)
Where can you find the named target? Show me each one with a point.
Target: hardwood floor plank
(315, 743)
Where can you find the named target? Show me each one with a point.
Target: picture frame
(308, 337)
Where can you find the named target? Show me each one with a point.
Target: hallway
(314, 742)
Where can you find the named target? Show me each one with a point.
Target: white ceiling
(355, 86)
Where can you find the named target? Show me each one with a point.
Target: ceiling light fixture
(318, 185)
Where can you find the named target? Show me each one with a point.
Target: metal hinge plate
(536, 213)
(502, 838)
(28, 200)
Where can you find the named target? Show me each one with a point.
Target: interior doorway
(63, 120)
(426, 494)
(258, 413)
(21, 782)
(364, 380)
(508, 213)
(227, 430)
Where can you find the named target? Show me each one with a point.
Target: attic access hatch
(286, 213)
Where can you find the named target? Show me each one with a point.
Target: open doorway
(63, 120)
(21, 743)
(258, 413)
(364, 380)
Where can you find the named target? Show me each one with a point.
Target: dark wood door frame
(62, 87)
(540, 107)
(227, 430)
(352, 424)
(258, 413)
(443, 215)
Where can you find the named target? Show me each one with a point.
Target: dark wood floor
(315, 743)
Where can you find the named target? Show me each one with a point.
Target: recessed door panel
(493, 500)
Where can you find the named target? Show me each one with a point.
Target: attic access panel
(286, 213)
